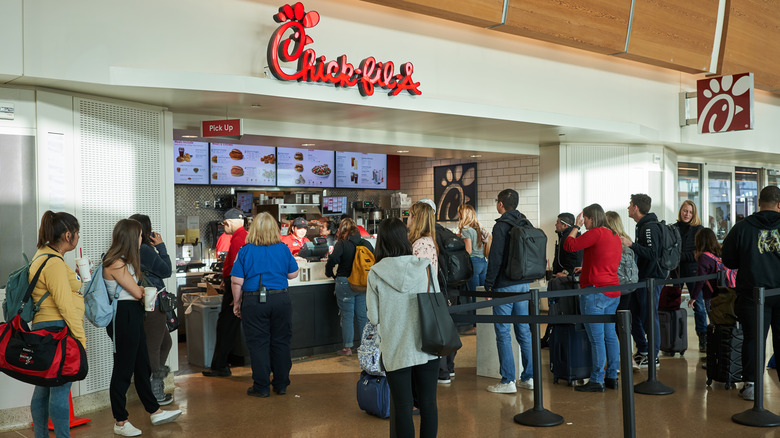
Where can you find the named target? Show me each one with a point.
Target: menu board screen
(192, 162)
(304, 168)
(334, 205)
(361, 171)
(242, 164)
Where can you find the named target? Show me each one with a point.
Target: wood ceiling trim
(673, 34)
(481, 13)
(753, 42)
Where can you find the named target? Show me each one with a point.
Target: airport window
(746, 186)
(773, 177)
(689, 183)
(719, 202)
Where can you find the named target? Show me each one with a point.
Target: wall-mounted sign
(7, 110)
(725, 103)
(341, 73)
(230, 128)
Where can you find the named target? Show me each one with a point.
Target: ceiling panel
(481, 13)
(753, 42)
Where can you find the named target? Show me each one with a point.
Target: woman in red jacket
(600, 262)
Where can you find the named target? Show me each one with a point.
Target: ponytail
(54, 226)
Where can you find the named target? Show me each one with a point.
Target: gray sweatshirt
(391, 298)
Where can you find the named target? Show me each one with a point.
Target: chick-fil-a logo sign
(725, 103)
(311, 68)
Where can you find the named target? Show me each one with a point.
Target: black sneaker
(641, 361)
(611, 383)
(224, 372)
(255, 393)
(590, 387)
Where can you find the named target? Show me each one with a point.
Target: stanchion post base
(538, 418)
(756, 418)
(653, 387)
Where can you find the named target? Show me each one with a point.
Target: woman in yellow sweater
(58, 234)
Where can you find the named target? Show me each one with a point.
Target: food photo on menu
(239, 164)
(191, 162)
(305, 168)
(361, 170)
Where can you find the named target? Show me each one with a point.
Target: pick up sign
(230, 128)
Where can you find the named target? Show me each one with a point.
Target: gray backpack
(628, 272)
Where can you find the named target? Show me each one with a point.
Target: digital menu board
(361, 171)
(242, 164)
(191, 162)
(304, 168)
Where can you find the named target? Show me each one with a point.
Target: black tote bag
(437, 330)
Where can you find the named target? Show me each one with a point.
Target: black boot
(702, 342)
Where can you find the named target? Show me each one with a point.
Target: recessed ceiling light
(307, 144)
(255, 106)
(402, 151)
(189, 136)
(475, 156)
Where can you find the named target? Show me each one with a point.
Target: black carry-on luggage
(570, 356)
(724, 354)
(674, 331)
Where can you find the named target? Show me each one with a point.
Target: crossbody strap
(31, 286)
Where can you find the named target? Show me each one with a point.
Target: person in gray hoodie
(391, 299)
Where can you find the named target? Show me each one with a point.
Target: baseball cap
(429, 202)
(234, 213)
(300, 222)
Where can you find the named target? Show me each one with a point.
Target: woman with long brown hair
(707, 258)
(122, 271)
(352, 303)
(64, 306)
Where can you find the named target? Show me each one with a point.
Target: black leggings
(425, 378)
(158, 339)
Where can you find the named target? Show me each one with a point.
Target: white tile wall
(521, 174)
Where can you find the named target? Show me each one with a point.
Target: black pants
(158, 339)
(131, 359)
(424, 379)
(268, 331)
(228, 328)
(746, 313)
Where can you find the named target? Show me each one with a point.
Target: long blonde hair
(125, 246)
(615, 224)
(695, 219)
(264, 230)
(468, 219)
(424, 223)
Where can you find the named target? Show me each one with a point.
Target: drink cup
(83, 266)
(150, 294)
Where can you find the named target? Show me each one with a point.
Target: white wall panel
(11, 37)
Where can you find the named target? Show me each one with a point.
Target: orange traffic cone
(74, 420)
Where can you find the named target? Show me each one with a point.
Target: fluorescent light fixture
(402, 151)
(189, 136)
(475, 156)
(307, 144)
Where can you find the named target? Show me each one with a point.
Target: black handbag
(171, 320)
(437, 329)
(167, 302)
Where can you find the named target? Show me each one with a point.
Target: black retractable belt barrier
(758, 416)
(652, 386)
(538, 416)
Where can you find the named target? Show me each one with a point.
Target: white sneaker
(165, 417)
(503, 388)
(526, 384)
(126, 429)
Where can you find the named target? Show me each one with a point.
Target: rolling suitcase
(724, 354)
(570, 356)
(674, 331)
(373, 395)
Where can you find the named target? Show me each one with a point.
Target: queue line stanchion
(537, 416)
(652, 386)
(758, 416)
(626, 373)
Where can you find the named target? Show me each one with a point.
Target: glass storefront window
(773, 177)
(689, 183)
(719, 185)
(746, 185)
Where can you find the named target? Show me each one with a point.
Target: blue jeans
(604, 345)
(506, 359)
(480, 269)
(352, 305)
(700, 314)
(51, 402)
(640, 321)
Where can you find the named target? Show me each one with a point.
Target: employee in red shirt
(600, 262)
(228, 324)
(296, 237)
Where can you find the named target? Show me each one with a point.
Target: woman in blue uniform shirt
(259, 283)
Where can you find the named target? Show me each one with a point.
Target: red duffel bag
(45, 357)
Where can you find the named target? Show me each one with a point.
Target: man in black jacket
(647, 247)
(753, 247)
(497, 281)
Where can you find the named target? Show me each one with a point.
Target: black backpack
(671, 246)
(454, 260)
(527, 254)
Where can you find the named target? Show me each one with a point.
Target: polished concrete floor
(321, 403)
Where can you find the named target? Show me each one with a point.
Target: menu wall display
(334, 205)
(191, 162)
(304, 168)
(361, 171)
(242, 164)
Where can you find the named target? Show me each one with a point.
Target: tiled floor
(321, 403)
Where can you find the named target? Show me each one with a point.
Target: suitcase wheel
(682, 352)
(709, 382)
(728, 386)
(555, 380)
